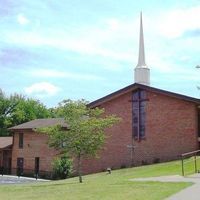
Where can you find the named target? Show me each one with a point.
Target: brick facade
(5, 154)
(34, 145)
(5, 158)
(115, 153)
(171, 129)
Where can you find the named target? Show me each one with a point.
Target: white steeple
(142, 72)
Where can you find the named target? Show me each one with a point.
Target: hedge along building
(157, 125)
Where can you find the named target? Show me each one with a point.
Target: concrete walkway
(8, 179)
(190, 193)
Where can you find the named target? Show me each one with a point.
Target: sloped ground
(190, 193)
(102, 186)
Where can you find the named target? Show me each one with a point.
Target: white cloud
(101, 40)
(113, 24)
(117, 39)
(49, 73)
(175, 23)
(22, 20)
(81, 45)
(42, 89)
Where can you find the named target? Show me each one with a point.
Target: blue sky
(54, 50)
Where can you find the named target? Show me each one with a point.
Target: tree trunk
(79, 169)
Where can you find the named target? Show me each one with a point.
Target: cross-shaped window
(138, 120)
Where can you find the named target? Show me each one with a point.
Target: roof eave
(135, 86)
(6, 147)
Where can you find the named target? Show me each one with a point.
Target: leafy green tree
(6, 108)
(26, 110)
(16, 109)
(86, 130)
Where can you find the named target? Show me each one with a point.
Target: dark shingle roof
(40, 123)
(136, 86)
(5, 142)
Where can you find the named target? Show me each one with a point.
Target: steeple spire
(141, 58)
(142, 72)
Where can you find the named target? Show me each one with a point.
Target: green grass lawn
(101, 186)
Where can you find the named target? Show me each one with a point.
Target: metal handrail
(189, 153)
(192, 153)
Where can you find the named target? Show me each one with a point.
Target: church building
(156, 126)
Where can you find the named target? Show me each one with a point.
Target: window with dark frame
(20, 166)
(139, 99)
(21, 140)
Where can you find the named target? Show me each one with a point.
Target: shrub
(156, 160)
(123, 166)
(62, 167)
(144, 162)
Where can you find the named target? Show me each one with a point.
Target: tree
(86, 130)
(6, 108)
(16, 109)
(27, 109)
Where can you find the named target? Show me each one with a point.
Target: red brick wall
(5, 156)
(171, 129)
(115, 153)
(1, 158)
(35, 145)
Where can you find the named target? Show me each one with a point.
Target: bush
(156, 160)
(144, 162)
(62, 167)
(123, 166)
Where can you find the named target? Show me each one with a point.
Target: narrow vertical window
(138, 106)
(20, 166)
(135, 114)
(21, 140)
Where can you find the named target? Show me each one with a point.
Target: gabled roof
(40, 123)
(5, 142)
(136, 86)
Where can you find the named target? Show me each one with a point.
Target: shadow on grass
(54, 184)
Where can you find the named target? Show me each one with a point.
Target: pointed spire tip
(141, 58)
